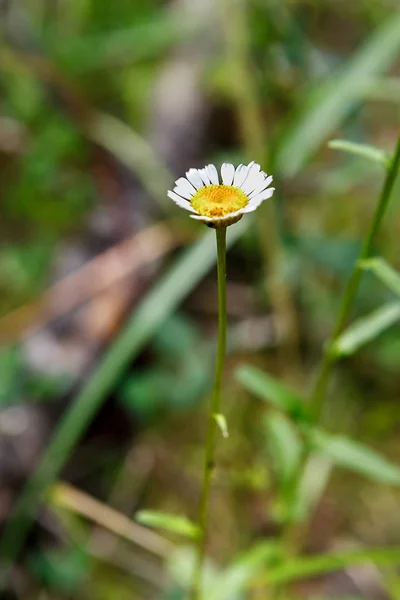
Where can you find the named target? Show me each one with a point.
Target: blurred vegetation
(102, 106)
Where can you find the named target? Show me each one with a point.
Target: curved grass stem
(323, 374)
(294, 532)
(196, 592)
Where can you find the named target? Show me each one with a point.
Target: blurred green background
(102, 106)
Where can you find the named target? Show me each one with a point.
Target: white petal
(183, 181)
(193, 176)
(252, 180)
(204, 176)
(213, 174)
(180, 191)
(227, 173)
(180, 201)
(257, 200)
(204, 219)
(248, 168)
(224, 218)
(261, 186)
(184, 188)
(240, 175)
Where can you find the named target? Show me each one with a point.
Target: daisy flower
(222, 203)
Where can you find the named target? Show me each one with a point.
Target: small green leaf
(364, 150)
(284, 444)
(312, 486)
(384, 272)
(222, 424)
(355, 456)
(310, 566)
(366, 329)
(173, 523)
(236, 577)
(61, 569)
(267, 388)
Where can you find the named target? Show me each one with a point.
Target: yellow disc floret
(218, 200)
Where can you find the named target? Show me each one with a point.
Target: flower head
(241, 191)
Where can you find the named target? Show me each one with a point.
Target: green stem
(212, 423)
(323, 375)
(294, 532)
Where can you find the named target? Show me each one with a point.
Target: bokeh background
(102, 106)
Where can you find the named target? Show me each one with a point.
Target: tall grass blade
(330, 103)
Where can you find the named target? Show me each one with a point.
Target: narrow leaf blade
(356, 457)
(222, 424)
(284, 445)
(329, 104)
(384, 272)
(237, 576)
(173, 523)
(366, 329)
(311, 566)
(267, 388)
(363, 150)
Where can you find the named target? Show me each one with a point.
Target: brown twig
(93, 278)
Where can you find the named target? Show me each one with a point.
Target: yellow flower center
(218, 200)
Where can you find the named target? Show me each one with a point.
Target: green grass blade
(300, 568)
(172, 523)
(366, 329)
(146, 318)
(121, 46)
(242, 570)
(135, 153)
(269, 389)
(355, 456)
(331, 102)
(364, 150)
(317, 565)
(383, 271)
(284, 445)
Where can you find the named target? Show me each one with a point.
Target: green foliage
(178, 356)
(10, 375)
(23, 270)
(357, 457)
(267, 388)
(242, 570)
(311, 566)
(328, 104)
(133, 152)
(366, 329)
(363, 150)
(284, 444)
(62, 570)
(222, 424)
(311, 488)
(384, 272)
(53, 190)
(172, 523)
(18, 383)
(77, 77)
(120, 46)
(145, 320)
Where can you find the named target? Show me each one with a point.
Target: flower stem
(208, 468)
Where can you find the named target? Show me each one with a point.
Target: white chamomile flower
(241, 191)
